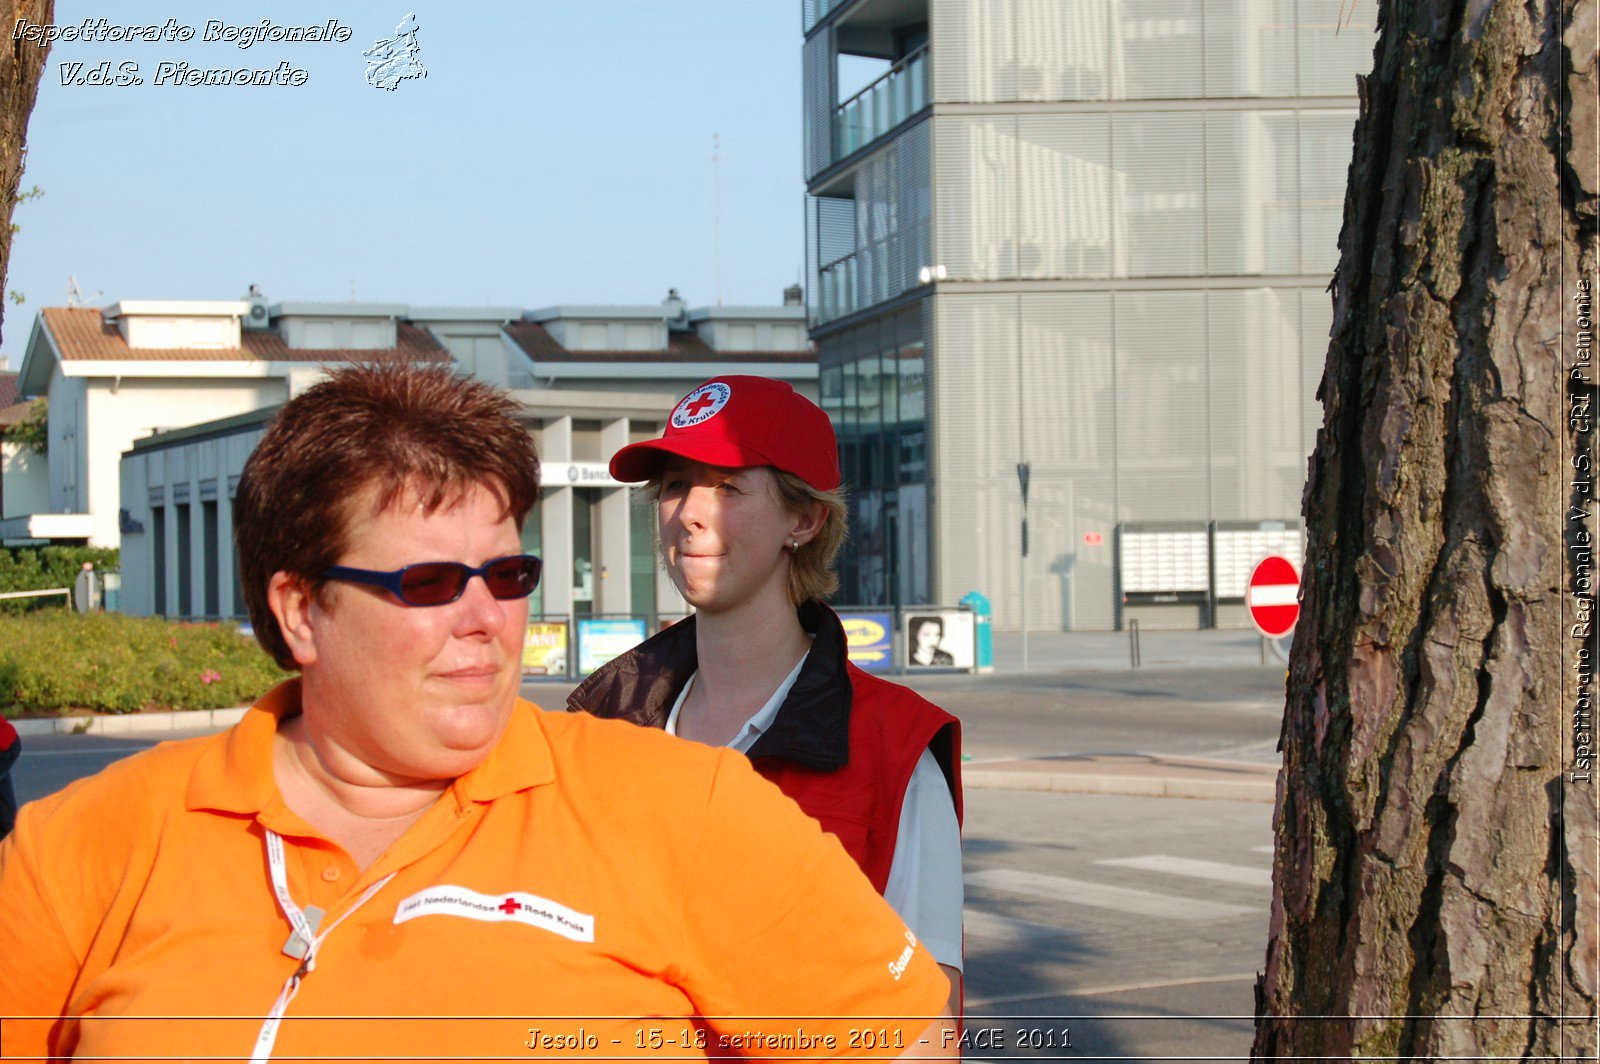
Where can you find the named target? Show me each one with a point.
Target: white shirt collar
(759, 721)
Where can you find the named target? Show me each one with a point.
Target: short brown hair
(811, 571)
(368, 430)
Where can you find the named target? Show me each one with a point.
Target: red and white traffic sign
(1274, 596)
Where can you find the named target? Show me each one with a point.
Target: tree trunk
(1434, 879)
(21, 65)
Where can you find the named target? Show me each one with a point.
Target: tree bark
(21, 66)
(1434, 875)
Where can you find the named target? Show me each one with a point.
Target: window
(213, 567)
(158, 559)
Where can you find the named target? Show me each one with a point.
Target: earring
(794, 545)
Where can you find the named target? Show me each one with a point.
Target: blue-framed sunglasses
(440, 583)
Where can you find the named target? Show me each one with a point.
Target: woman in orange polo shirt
(392, 855)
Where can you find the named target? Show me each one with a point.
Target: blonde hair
(811, 572)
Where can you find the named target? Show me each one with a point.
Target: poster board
(936, 637)
(602, 638)
(544, 649)
(869, 639)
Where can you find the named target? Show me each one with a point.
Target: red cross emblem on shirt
(509, 906)
(693, 409)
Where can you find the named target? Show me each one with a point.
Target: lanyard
(307, 934)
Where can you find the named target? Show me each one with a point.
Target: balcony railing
(871, 274)
(900, 93)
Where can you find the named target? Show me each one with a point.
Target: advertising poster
(869, 638)
(601, 638)
(544, 651)
(939, 639)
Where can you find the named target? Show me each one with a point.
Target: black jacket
(812, 727)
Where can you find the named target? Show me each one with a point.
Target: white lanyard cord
(302, 927)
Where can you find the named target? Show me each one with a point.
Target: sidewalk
(1099, 651)
(1143, 775)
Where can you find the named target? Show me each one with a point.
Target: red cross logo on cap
(509, 906)
(701, 405)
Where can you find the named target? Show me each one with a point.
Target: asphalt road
(1137, 924)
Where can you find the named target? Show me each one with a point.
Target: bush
(38, 568)
(53, 663)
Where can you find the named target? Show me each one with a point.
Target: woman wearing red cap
(746, 478)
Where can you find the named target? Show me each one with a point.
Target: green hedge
(56, 662)
(36, 568)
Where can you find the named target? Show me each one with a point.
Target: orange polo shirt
(588, 891)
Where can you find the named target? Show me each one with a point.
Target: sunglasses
(441, 583)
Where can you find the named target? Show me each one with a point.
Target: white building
(24, 479)
(590, 380)
(136, 368)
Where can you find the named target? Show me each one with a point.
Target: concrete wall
(117, 413)
(26, 477)
(66, 430)
(184, 479)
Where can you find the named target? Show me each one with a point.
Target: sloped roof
(535, 341)
(10, 393)
(83, 333)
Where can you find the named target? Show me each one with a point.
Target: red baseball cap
(741, 421)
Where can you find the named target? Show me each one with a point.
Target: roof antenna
(75, 294)
(716, 182)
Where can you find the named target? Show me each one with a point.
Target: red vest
(843, 745)
(890, 726)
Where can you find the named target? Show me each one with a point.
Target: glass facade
(532, 543)
(869, 238)
(1116, 219)
(642, 552)
(873, 388)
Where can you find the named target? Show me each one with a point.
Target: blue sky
(555, 153)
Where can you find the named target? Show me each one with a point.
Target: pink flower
(210, 676)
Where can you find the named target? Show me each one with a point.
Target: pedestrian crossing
(1186, 866)
(1105, 896)
(1161, 896)
(1008, 932)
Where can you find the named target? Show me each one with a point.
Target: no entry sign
(1273, 596)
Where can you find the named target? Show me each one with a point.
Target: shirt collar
(759, 721)
(235, 774)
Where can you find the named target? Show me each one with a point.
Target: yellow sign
(863, 631)
(544, 651)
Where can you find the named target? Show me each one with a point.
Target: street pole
(1023, 471)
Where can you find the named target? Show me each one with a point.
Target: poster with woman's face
(939, 639)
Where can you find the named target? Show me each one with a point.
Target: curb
(1141, 775)
(132, 723)
(1135, 786)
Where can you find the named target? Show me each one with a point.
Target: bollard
(1133, 644)
(983, 651)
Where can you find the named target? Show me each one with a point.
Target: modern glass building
(1093, 236)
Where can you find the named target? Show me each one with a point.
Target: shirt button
(330, 874)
